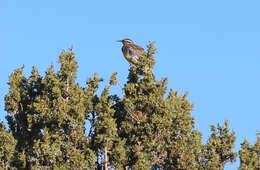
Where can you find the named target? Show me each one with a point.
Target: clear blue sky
(209, 48)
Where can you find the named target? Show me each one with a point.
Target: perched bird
(131, 51)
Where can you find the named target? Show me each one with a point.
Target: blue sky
(209, 48)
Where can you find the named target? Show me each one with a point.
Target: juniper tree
(108, 146)
(47, 117)
(7, 146)
(250, 155)
(145, 127)
(218, 150)
(158, 129)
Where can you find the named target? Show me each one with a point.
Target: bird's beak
(119, 41)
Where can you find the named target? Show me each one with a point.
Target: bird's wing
(135, 49)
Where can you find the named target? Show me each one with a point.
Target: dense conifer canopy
(147, 126)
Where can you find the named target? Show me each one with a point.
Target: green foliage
(105, 136)
(47, 117)
(145, 127)
(218, 150)
(250, 155)
(7, 147)
(158, 131)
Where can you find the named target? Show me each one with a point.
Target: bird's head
(126, 41)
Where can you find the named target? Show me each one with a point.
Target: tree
(7, 146)
(218, 150)
(108, 146)
(158, 129)
(250, 155)
(147, 126)
(47, 117)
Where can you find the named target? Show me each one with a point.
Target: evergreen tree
(158, 129)
(218, 150)
(7, 147)
(108, 146)
(47, 117)
(250, 155)
(145, 127)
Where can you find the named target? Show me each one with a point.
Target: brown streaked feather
(135, 49)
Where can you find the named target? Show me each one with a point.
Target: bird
(131, 51)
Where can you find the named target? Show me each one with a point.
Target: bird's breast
(127, 55)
